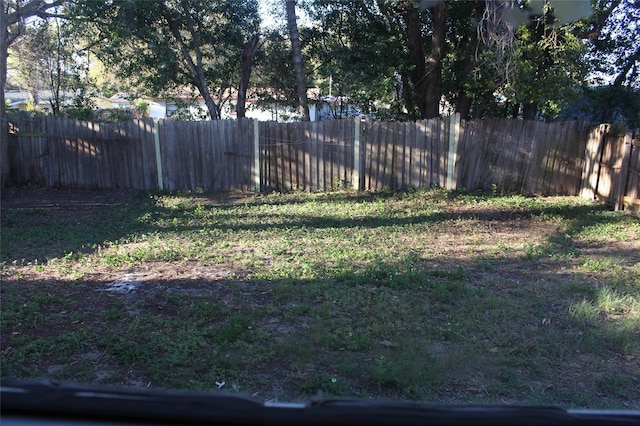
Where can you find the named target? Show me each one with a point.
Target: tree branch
(33, 8)
(600, 21)
(631, 61)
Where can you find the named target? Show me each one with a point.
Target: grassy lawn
(426, 295)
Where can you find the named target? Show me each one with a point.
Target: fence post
(621, 185)
(356, 156)
(454, 134)
(256, 155)
(156, 139)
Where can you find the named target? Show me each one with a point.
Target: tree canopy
(394, 59)
(172, 44)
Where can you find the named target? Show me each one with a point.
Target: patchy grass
(427, 295)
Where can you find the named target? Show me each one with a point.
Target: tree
(613, 36)
(13, 14)
(617, 105)
(167, 45)
(246, 64)
(31, 59)
(296, 51)
(356, 49)
(426, 75)
(549, 67)
(45, 59)
(274, 80)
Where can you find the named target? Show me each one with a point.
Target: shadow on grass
(78, 223)
(430, 336)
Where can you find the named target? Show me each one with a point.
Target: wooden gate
(612, 169)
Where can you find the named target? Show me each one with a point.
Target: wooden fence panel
(468, 145)
(521, 156)
(476, 152)
(440, 148)
(307, 156)
(591, 168)
(559, 156)
(610, 163)
(375, 141)
(73, 153)
(504, 159)
(29, 155)
(208, 155)
(166, 134)
(632, 186)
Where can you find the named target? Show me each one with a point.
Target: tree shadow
(447, 334)
(51, 224)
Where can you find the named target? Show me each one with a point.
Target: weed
(584, 312)
(614, 384)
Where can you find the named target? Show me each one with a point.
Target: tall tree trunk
(245, 74)
(427, 75)
(514, 110)
(463, 104)
(529, 111)
(57, 81)
(5, 170)
(434, 62)
(419, 72)
(472, 51)
(301, 85)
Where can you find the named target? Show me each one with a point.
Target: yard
(428, 295)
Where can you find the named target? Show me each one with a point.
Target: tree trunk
(57, 79)
(472, 51)
(5, 170)
(419, 72)
(515, 110)
(301, 85)
(463, 105)
(214, 112)
(529, 111)
(427, 75)
(630, 63)
(245, 74)
(434, 62)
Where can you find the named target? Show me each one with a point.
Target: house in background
(21, 100)
(182, 105)
(185, 104)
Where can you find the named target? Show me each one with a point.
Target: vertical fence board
(389, 155)
(632, 194)
(371, 140)
(620, 188)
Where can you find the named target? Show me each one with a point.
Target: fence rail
(564, 158)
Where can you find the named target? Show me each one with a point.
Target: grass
(428, 295)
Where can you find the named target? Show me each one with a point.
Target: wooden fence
(612, 167)
(564, 158)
